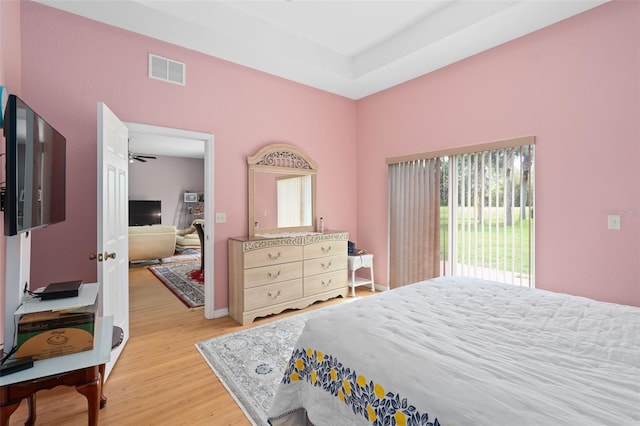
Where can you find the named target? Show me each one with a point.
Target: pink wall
(10, 45)
(575, 86)
(265, 200)
(70, 63)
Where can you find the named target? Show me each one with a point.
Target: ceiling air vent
(167, 69)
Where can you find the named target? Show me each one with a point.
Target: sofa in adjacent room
(151, 242)
(188, 238)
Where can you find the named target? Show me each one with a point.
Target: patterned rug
(250, 363)
(180, 279)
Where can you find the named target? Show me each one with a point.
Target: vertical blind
(414, 228)
(293, 195)
(470, 211)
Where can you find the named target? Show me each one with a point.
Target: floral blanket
(460, 351)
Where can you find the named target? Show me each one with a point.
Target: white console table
(86, 297)
(84, 370)
(360, 261)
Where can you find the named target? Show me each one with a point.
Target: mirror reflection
(282, 200)
(282, 191)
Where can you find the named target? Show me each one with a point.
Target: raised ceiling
(350, 48)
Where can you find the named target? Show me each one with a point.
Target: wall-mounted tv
(145, 212)
(35, 193)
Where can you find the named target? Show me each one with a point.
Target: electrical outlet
(613, 221)
(221, 218)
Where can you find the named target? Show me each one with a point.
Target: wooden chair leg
(92, 392)
(6, 410)
(103, 398)
(31, 410)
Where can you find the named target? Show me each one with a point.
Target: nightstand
(360, 261)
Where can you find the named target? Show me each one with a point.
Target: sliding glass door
(472, 210)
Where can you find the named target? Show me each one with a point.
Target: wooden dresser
(269, 275)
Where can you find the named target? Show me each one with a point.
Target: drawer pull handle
(326, 284)
(274, 296)
(325, 250)
(272, 276)
(272, 257)
(327, 266)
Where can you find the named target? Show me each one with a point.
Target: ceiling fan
(142, 158)
(138, 157)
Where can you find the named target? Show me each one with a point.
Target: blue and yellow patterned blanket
(459, 351)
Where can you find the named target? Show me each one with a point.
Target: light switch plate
(221, 217)
(613, 221)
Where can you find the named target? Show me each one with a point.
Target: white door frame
(208, 139)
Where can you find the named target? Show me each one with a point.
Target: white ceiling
(167, 146)
(352, 48)
(349, 47)
(145, 139)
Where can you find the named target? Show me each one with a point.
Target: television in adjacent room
(34, 194)
(145, 212)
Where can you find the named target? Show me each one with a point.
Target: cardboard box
(48, 334)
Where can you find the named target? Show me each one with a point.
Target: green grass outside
(491, 234)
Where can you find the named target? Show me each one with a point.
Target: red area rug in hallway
(185, 280)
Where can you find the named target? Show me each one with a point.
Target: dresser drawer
(272, 255)
(272, 294)
(272, 274)
(325, 248)
(323, 265)
(325, 282)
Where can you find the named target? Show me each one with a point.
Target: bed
(462, 351)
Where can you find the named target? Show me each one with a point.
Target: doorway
(174, 142)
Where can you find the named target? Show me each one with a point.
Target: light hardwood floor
(161, 378)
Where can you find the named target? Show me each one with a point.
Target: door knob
(108, 255)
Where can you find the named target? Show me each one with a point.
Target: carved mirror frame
(281, 158)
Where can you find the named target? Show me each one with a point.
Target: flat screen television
(145, 212)
(35, 193)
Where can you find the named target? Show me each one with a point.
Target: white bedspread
(460, 351)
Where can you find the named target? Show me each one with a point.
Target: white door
(113, 239)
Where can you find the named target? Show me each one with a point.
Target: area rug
(250, 363)
(180, 279)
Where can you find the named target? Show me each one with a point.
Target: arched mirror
(282, 191)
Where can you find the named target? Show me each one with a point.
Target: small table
(84, 370)
(360, 261)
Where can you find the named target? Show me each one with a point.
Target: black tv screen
(35, 168)
(144, 212)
